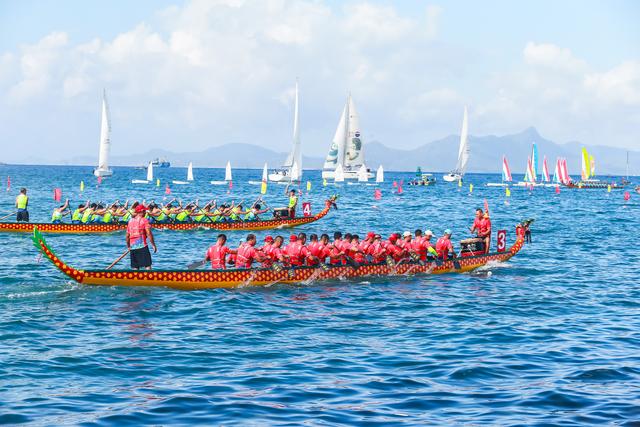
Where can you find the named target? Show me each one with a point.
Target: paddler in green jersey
(252, 214)
(88, 213)
(184, 215)
(76, 216)
(58, 213)
(98, 214)
(22, 203)
(129, 212)
(293, 203)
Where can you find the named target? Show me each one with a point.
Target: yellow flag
(609, 188)
(459, 183)
(308, 185)
(507, 192)
(263, 188)
(81, 186)
(324, 182)
(470, 188)
(158, 182)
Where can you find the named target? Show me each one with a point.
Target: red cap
(141, 208)
(268, 239)
(293, 238)
(371, 235)
(393, 238)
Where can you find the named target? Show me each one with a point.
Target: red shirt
(334, 250)
(394, 250)
(419, 246)
(246, 255)
(378, 251)
(357, 253)
(477, 223)
(316, 249)
(136, 231)
(485, 227)
(443, 247)
(297, 253)
(217, 254)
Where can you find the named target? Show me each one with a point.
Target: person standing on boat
(22, 203)
(444, 246)
(477, 221)
(485, 231)
(293, 202)
(138, 231)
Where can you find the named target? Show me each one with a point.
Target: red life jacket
(294, 250)
(217, 254)
(443, 246)
(246, 254)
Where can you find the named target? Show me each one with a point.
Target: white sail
(295, 156)
(190, 172)
(150, 172)
(227, 172)
(380, 174)
(337, 144)
(264, 173)
(105, 141)
(339, 174)
(295, 172)
(463, 150)
(363, 174)
(354, 148)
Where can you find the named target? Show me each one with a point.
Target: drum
(281, 212)
(471, 247)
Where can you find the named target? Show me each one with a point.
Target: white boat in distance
(105, 141)
(463, 153)
(292, 168)
(227, 176)
(149, 176)
(506, 175)
(347, 148)
(189, 176)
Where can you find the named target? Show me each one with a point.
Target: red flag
(57, 194)
(230, 185)
(400, 186)
(167, 190)
(558, 189)
(8, 183)
(377, 194)
(627, 196)
(395, 184)
(486, 206)
(99, 180)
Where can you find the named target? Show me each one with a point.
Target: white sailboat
(105, 141)
(294, 159)
(227, 176)
(149, 176)
(339, 174)
(380, 174)
(363, 174)
(506, 175)
(189, 176)
(347, 147)
(463, 153)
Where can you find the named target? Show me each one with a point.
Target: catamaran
(347, 148)
(149, 176)
(531, 173)
(506, 175)
(292, 168)
(463, 153)
(105, 141)
(588, 174)
(189, 176)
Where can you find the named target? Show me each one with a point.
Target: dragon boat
(594, 183)
(253, 225)
(236, 278)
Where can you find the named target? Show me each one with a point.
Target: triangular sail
(380, 174)
(592, 163)
(263, 185)
(363, 174)
(105, 139)
(295, 172)
(150, 172)
(463, 149)
(295, 156)
(190, 172)
(339, 174)
(227, 172)
(534, 161)
(506, 171)
(545, 170)
(556, 172)
(586, 165)
(354, 149)
(337, 144)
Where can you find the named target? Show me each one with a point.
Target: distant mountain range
(437, 156)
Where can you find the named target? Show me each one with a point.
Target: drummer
(485, 231)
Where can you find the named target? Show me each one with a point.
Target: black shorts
(22, 215)
(140, 258)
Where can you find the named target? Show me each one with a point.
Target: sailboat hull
(452, 177)
(347, 175)
(102, 172)
(279, 177)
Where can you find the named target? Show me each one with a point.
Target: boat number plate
(306, 209)
(502, 240)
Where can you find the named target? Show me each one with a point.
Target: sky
(190, 75)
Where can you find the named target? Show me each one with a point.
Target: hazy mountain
(439, 156)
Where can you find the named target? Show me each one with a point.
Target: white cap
(406, 234)
(428, 233)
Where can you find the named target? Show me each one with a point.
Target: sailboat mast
(627, 166)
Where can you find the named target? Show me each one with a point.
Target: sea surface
(550, 338)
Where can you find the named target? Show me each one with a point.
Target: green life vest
(77, 215)
(21, 201)
(107, 217)
(250, 216)
(162, 216)
(292, 201)
(56, 216)
(216, 215)
(234, 213)
(86, 215)
(182, 216)
(127, 215)
(201, 215)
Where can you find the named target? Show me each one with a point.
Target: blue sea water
(550, 338)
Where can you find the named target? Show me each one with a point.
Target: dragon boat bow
(96, 228)
(235, 278)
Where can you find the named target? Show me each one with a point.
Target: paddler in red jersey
(247, 253)
(419, 246)
(355, 251)
(444, 246)
(485, 231)
(296, 250)
(377, 250)
(138, 231)
(321, 251)
(477, 221)
(393, 250)
(336, 253)
(366, 243)
(217, 253)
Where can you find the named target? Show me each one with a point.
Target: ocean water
(550, 338)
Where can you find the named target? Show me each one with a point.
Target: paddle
(119, 259)
(7, 216)
(196, 264)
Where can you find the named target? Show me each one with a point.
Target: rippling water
(551, 337)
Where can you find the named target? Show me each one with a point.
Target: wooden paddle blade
(196, 264)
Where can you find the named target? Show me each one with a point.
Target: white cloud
(618, 85)
(552, 56)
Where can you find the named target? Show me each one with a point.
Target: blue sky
(192, 74)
